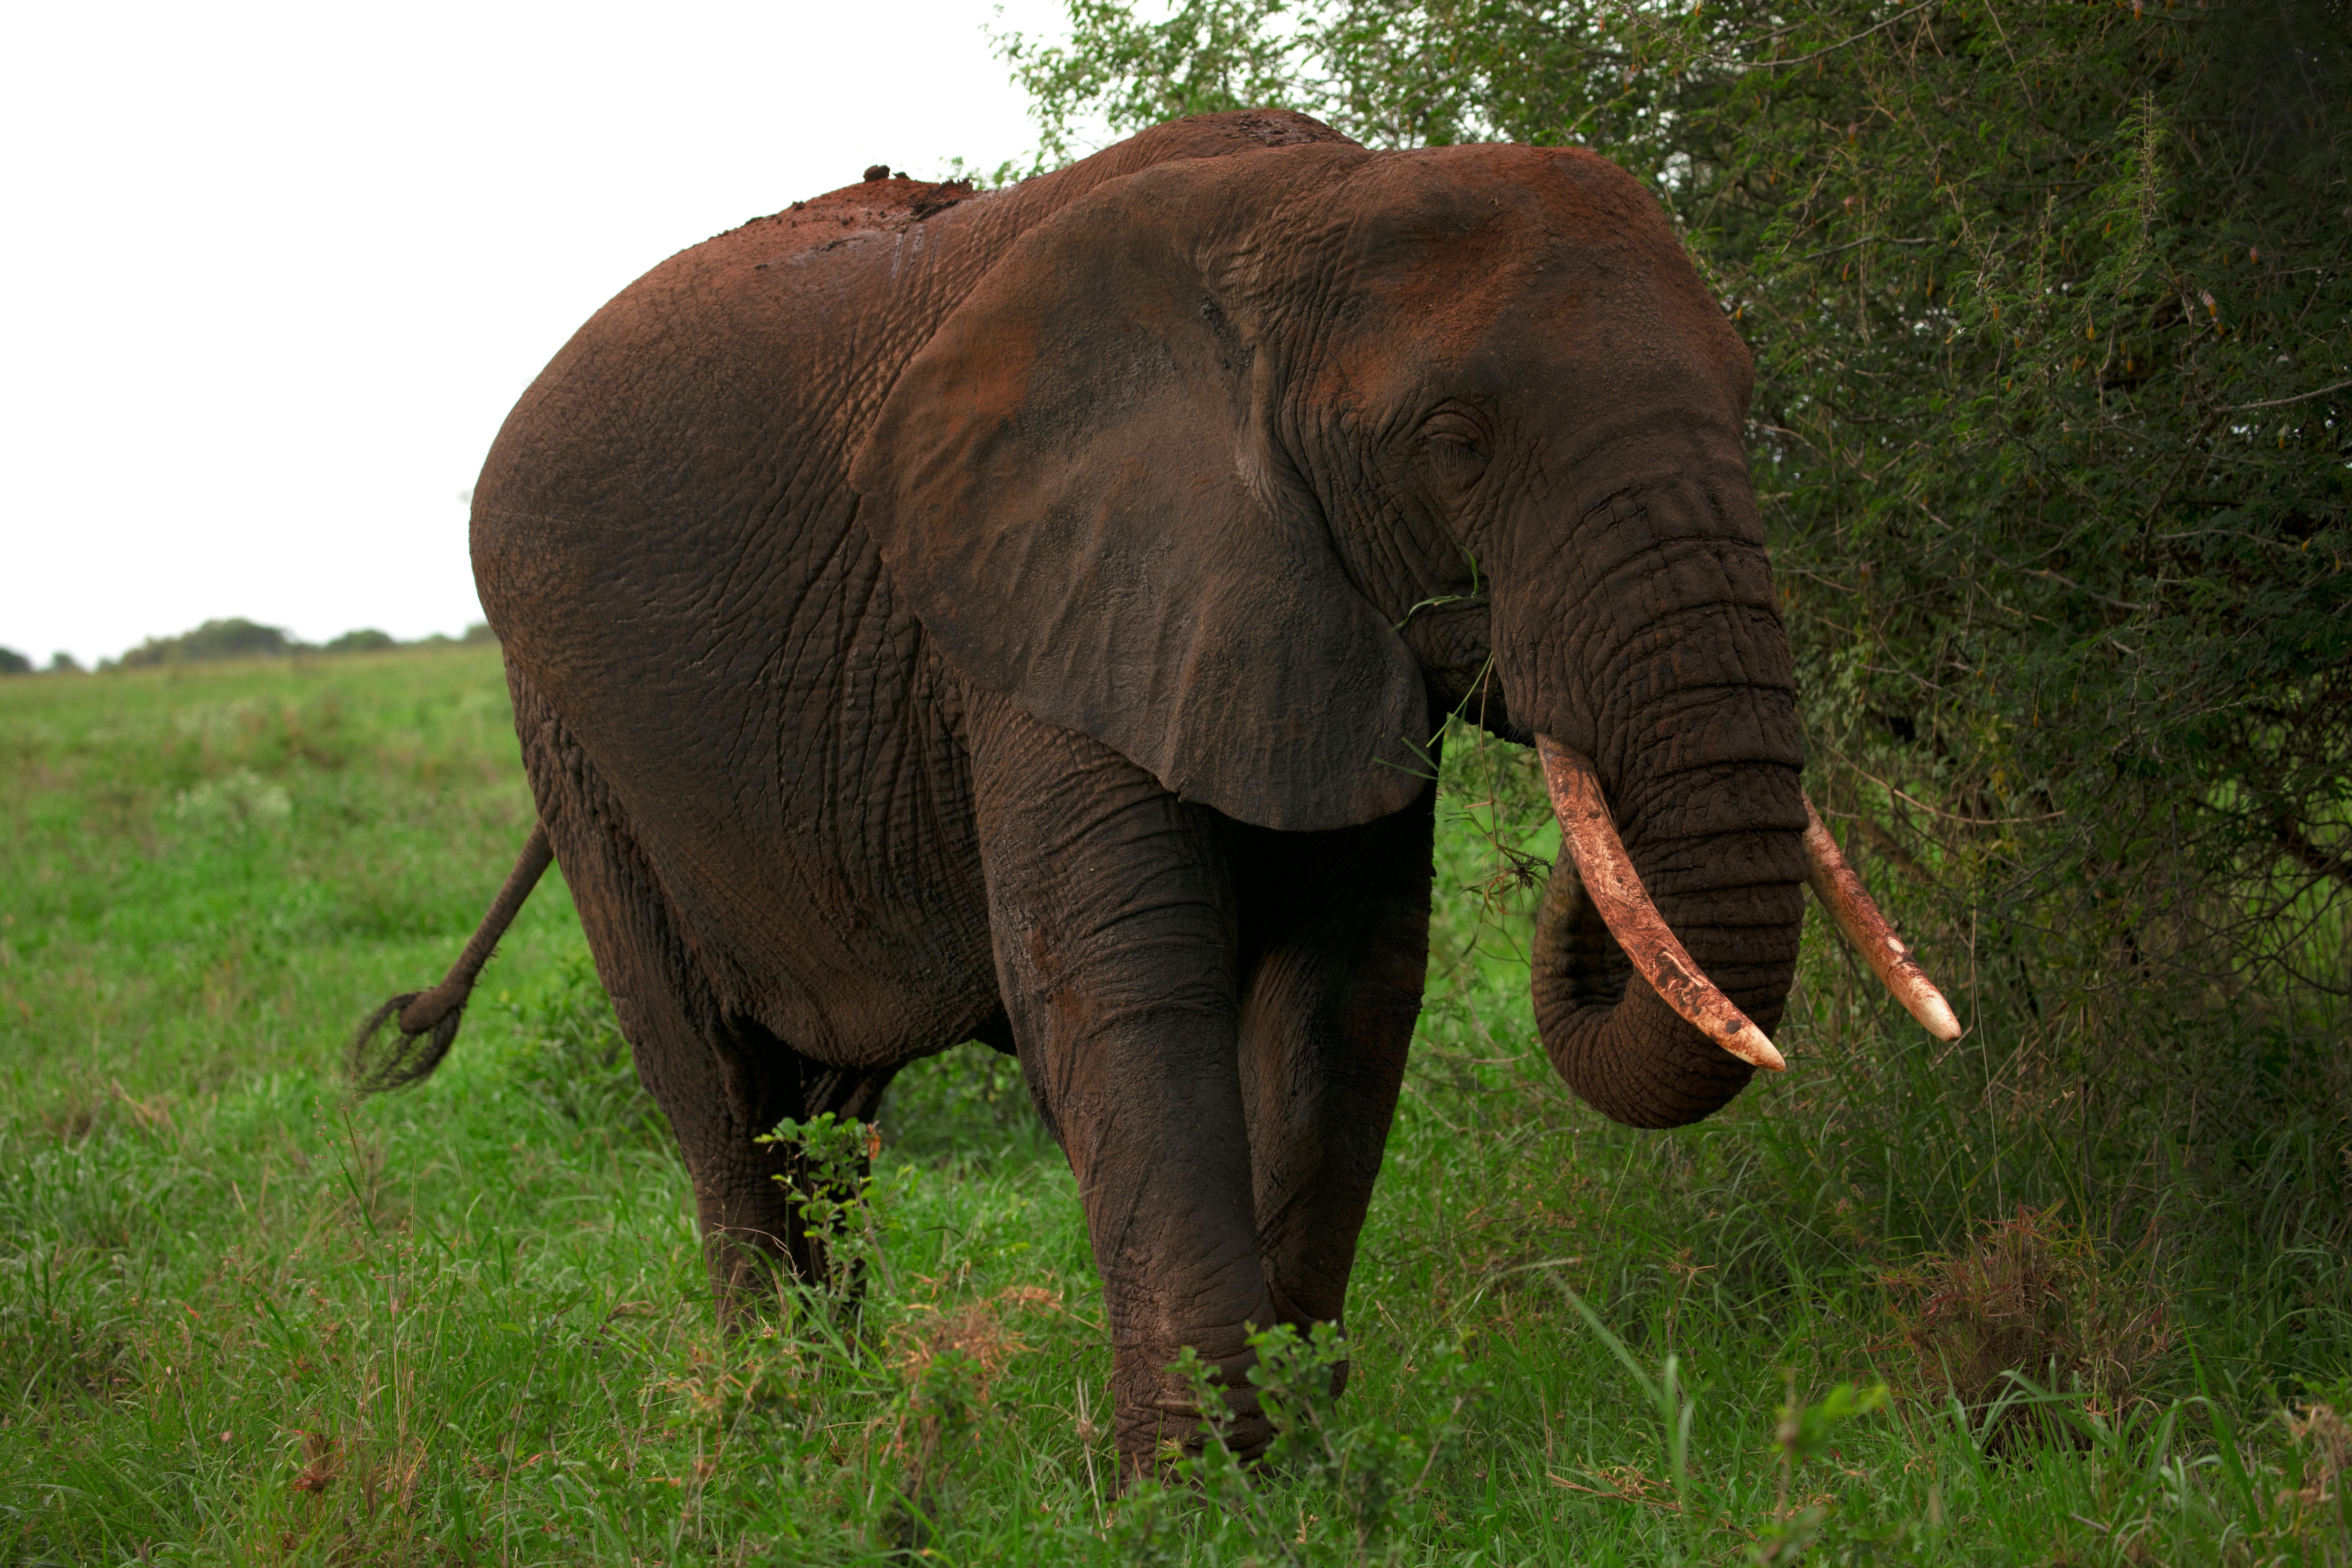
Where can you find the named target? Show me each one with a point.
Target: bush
(1369, 1479)
(966, 1101)
(13, 663)
(2050, 442)
(365, 640)
(236, 637)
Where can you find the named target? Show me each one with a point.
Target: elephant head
(1252, 467)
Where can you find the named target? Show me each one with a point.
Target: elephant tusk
(1841, 892)
(1591, 838)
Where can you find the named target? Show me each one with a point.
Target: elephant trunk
(1667, 937)
(1659, 968)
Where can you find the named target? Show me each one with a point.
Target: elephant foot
(1163, 1415)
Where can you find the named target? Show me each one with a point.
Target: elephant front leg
(1113, 914)
(1335, 937)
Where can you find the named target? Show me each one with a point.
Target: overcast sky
(275, 273)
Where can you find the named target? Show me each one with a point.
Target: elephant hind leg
(723, 1081)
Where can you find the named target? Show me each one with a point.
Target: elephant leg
(722, 1082)
(1335, 930)
(1112, 907)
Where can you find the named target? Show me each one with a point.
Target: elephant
(1027, 616)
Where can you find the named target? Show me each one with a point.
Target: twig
(1841, 43)
(1938, 811)
(2060, 577)
(2298, 397)
(1865, 239)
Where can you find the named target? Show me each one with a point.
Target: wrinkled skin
(933, 616)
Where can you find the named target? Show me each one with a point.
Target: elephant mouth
(1589, 836)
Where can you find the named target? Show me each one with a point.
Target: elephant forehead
(1499, 267)
(1542, 346)
(1452, 206)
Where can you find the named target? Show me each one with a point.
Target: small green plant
(2316, 1494)
(970, 1101)
(830, 1190)
(946, 1366)
(1664, 1393)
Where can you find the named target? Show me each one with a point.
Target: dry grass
(2033, 1307)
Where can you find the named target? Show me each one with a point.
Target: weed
(1327, 1488)
(1804, 1437)
(240, 799)
(2323, 1453)
(947, 1364)
(967, 1104)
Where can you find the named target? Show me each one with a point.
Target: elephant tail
(424, 1023)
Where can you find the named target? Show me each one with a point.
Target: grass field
(246, 1318)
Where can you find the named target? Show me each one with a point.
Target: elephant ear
(1074, 485)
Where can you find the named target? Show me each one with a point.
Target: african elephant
(1025, 615)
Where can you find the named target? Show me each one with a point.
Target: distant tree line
(2052, 307)
(237, 637)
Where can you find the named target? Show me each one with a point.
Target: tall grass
(242, 1318)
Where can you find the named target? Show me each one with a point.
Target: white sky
(274, 273)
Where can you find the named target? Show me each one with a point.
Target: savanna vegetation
(1900, 1301)
(2049, 304)
(237, 637)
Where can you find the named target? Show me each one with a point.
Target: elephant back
(666, 541)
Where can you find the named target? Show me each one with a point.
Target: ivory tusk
(1841, 892)
(1590, 837)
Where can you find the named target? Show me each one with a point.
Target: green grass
(244, 1319)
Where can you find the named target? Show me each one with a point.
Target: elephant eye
(1456, 450)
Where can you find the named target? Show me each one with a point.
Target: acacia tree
(2052, 318)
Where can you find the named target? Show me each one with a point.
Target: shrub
(1367, 1477)
(2049, 433)
(964, 1101)
(236, 637)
